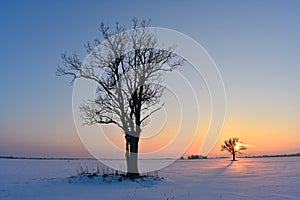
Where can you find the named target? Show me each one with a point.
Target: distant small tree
(233, 146)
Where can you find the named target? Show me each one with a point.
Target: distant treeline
(43, 158)
(272, 156)
(192, 157)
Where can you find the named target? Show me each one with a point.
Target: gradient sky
(256, 45)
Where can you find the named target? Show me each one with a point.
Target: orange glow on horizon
(265, 137)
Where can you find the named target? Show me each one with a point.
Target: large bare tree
(128, 88)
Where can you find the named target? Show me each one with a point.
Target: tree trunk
(233, 156)
(132, 156)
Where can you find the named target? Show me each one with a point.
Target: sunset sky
(255, 44)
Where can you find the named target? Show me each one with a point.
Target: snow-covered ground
(252, 178)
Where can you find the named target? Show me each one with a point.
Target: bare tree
(128, 90)
(233, 146)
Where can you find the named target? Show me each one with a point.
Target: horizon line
(184, 158)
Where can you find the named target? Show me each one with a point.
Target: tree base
(132, 175)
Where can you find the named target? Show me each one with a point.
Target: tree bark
(132, 156)
(233, 156)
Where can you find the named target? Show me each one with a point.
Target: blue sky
(255, 44)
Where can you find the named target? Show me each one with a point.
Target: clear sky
(256, 45)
